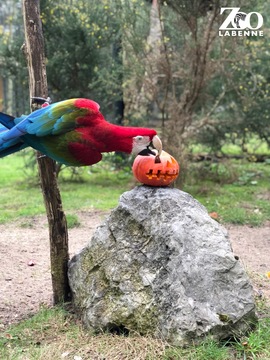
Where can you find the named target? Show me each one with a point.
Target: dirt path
(23, 288)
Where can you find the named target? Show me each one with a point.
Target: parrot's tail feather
(7, 120)
(12, 149)
(10, 146)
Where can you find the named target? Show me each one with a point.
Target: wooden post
(34, 51)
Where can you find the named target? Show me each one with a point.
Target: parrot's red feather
(108, 137)
(84, 153)
(87, 104)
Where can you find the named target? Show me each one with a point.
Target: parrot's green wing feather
(55, 119)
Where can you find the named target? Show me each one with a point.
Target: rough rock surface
(160, 265)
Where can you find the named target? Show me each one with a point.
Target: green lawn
(20, 194)
(238, 191)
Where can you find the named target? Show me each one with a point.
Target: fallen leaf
(214, 215)
(268, 274)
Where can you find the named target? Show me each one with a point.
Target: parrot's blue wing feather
(54, 119)
(7, 121)
(8, 127)
(2, 129)
(9, 147)
(14, 133)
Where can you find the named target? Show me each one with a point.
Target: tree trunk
(34, 51)
(119, 104)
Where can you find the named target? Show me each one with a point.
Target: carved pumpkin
(156, 170)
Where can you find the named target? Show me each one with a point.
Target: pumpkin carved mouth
(151, 175)
(159, 170)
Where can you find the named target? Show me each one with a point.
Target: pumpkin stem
(157, 159)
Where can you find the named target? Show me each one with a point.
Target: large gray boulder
(160, 265)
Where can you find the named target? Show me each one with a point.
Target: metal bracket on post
(37, 102)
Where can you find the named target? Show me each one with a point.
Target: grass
(20, 194)
(234, 146)
(55, 334)
(238, 191)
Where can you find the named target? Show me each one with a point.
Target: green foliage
(244, 110)
(78, 38)
(85, 44)
(78, 46)
(236, 190)
(12, 61)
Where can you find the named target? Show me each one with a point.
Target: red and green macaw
(72, 132)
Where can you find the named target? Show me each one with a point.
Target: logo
(239, 23)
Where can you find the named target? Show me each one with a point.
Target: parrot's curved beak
(157, 144)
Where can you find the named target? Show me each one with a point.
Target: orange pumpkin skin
(148, 171)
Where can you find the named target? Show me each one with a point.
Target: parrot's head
(132, 140)
(145, 144)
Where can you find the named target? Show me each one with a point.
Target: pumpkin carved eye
(156, 170)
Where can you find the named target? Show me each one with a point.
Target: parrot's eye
(139, 138)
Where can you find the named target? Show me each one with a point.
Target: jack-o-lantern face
(156, 170)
